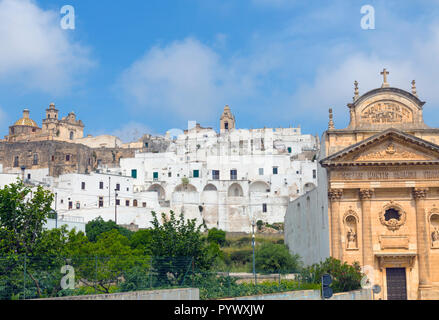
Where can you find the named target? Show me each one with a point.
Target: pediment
(389, 147)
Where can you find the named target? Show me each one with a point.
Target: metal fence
(24, 277)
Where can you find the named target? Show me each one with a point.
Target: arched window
(71, 135)
(235, 190)
(35, 159)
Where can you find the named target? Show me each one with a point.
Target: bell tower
(52, 113)
(227, 120)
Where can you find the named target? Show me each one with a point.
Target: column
(366, 223)
(419, 194)
(334, 196)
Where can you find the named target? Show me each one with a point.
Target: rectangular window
(196, 173)
(70, 205)
(83, 185)
(264, 207)
(78, 205)
(144, 204)
(134, 173)
(314, 174)
(261, 171)
(117, 187)
(155, 176)
(101, 185)
(101, 202)
(215, 174)
(16, 164)
(169, 174)
(290, 150)
(117, 202)
(67, 157)
(134, 203)
(127, 203)
(28, 176)
(275, 170)
(233, 174)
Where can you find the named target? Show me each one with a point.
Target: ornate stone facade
(386, 164)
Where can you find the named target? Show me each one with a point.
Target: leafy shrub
(345, 277)
(272, 258)
(218, 236)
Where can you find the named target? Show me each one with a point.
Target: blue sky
(133, 67)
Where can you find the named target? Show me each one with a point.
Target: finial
(331, 120)
(357, 93)
(414, 92)
(385, 73)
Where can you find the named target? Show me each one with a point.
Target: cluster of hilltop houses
(226, 179)
(376, 201)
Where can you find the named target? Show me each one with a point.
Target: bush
(273, 258)
(240, 256)
(218, 236)
(345, 277)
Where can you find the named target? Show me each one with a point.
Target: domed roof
(26, 121)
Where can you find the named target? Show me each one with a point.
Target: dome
(26, 121)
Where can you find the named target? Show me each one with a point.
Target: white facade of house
(226, 180)
(233, 178)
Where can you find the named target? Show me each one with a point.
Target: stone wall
(59, 157)
(363, 294)
(172, 294)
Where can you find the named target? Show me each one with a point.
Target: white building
(226, 179)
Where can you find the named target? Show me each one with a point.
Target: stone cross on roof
(385, 73)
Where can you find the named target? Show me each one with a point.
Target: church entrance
(396, 284)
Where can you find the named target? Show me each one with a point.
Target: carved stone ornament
(366, 194)
(420, 193)
(393, 216)
(387, 112)
(335, 194)
(351, 212)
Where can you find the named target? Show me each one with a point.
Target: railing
(30, 277)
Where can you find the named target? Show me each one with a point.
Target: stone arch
(259, 186)
(210, 187)
(159, 189)
(235, 190)
(185, 188)
(307, 187)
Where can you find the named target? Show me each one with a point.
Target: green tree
(23, 213)
(217, 236)
(22, 217)
(141, 240)
(174, 244)
(345, 277)
(102, 264)
(273, 258)
(98, 226)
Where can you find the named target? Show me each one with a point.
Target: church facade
(377, 200)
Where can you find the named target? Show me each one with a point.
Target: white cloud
(35, 52)
(185, 79)
(333, 84)
(132, 131)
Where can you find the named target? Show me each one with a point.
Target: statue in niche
(352, 239)
(435, 238)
